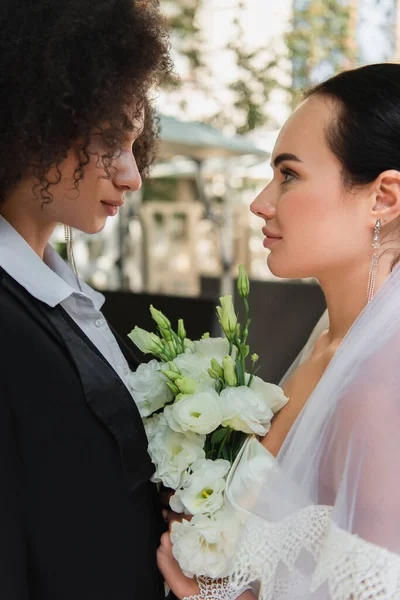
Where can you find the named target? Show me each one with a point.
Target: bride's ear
(386, 202)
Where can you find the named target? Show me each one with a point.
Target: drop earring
(70, 252)
(376, 244)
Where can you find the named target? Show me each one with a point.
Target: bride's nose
(263, 207)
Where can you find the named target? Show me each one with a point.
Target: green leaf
(225, 453)
(218, 436)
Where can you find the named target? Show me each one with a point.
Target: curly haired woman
(77, 132)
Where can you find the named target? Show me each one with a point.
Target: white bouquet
(199, 404)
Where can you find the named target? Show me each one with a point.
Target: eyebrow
(284, 156)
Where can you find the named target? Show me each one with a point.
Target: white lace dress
(301, 553)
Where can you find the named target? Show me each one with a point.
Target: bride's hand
(180, 585)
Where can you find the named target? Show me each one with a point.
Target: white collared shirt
(52, 281)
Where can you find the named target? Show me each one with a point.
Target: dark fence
(283, 315)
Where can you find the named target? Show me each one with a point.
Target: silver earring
(68, 234)
(376, 244)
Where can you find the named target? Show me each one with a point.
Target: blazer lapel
(107, 397)
(132, 360)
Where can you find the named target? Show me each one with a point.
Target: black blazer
(79, 518)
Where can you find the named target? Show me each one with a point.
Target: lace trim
(355, 569)
(264, 545)
(347, 567)
(217, 589)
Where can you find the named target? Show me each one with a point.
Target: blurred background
(241, 67)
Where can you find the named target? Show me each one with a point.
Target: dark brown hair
(67, 67)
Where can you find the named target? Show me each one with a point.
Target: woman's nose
(127, 176)
(263, 207)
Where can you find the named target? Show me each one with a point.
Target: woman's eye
(288, 175)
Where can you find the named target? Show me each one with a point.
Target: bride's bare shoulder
(298, 388)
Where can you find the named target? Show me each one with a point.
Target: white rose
(216, 348)
(173, 452)
(199, 412)
(244, 410)
(204, 488)
(206, 545)
(148, 388)
(194, 365)
(273, 395)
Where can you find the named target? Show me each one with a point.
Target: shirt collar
(50, 280)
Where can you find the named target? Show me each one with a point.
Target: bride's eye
(288, 175)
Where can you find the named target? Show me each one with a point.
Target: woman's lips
(111, 207)
(269, 242)
(271, 238)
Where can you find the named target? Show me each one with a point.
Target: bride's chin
(283, 269)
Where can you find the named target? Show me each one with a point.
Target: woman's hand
(180, 585)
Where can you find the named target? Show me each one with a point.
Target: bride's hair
(365, 131)
(68, 67)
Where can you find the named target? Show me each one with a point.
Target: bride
(321, 492)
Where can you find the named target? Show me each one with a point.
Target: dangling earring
(70, 252)
(376, 244)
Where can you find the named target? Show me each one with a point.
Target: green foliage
(255, 82)
(319, 44)
(249, 91)
(320, 39)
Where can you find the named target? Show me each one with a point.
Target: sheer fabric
(323, 518)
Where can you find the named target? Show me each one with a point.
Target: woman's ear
(386, 200)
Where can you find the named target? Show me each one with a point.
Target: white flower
(206, 545)
(203, 491)
(244, 410)
(273, 395)
(148, 388)
(199, 412)
(216, 348)
(151, 425)
(194, 365)
(173, 452)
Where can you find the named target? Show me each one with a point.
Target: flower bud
(160, 318)
(243, 282)
(244, 350)
(186, 385)
(181, 329)
(213, 373)
(205, 336)
(215, 366)
(166, 334)
(254, 358)
(172, 376)
(172, 348)
(227, 316)
(172, 387)
(228, 365)
(173, 367)
(146, 342)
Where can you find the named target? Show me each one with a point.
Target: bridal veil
(323, 518)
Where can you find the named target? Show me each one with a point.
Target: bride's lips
(111, 207)
(270, 238)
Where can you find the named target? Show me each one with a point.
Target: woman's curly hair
(68, 67)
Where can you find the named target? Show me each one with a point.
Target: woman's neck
(29, 220)
(346, 296)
